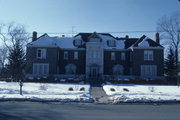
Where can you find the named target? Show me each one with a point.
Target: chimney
(126, 37)
(34, 36)
(157, 37)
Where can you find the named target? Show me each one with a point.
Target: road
(56, 111)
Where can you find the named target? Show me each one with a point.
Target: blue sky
(87, 15)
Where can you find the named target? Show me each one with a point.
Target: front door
(94, 72)
(94, 76)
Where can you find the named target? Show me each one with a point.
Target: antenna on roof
(73, 27)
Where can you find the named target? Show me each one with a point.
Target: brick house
(95, 55)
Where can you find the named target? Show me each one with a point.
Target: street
(58, 111)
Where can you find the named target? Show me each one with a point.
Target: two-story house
(95, 56)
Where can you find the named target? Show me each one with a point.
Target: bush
(43, 87)
(71, 89)
(82, 89)
(151, 89)
(112, 89)
(125, 89)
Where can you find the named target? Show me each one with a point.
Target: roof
(61, 42)
(146, 42)
(68, 42)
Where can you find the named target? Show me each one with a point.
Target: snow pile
(142, 93)
(46, 92)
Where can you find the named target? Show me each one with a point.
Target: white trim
(116, 49)
(42, 46)
(147, 48)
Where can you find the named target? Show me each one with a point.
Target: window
(123, 56)
(40, 69)
(65, 55)
(148, 70)
(41, 53)
(77, 42)
(118, 70)
(70, 69)
(75, 55)
(148, 55)
(113, 56)
(112, 43)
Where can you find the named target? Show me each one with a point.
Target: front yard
(142, 93)
(45, 92)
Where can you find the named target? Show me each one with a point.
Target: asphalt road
(57, 111)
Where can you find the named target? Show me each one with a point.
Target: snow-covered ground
(46, 92)
(142, 93)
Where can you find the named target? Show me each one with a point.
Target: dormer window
(111, 43)
(77, 42)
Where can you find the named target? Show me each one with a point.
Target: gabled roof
(146, 42)
(85, 36)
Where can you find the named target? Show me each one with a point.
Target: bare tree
(13, 33)
(169, 26)
(3, 55)
(15, 37)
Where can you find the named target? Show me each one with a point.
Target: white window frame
(40, 68)
(66, 56)
(148, 70)
(113, 56)
(41, 53)
(76, 55)
(123, 56)
(148, 55)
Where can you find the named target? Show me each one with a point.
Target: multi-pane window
(75, 55)
(148, 70)
(78, 42)
(70, 69)
(148, 55)
(65, 55)
(41, 53)
(40, 68)
(113, 56)
(94, 54)
(118, 70)
(123, 56)
(112, 43)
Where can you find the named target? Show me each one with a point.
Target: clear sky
(56, 16)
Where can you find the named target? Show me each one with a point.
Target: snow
(62, 42)
(45, 92)
(142, 93)
(119, 43)
(144, 43)
(67, 42)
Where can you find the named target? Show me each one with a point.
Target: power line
(149, 31)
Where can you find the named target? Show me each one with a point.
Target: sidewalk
(99, 95)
